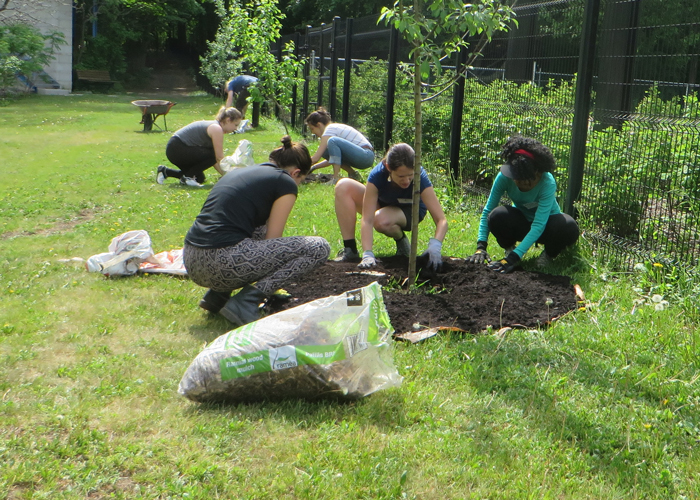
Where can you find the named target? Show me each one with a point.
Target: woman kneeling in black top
(236, 240)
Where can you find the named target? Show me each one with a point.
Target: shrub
(24, 51)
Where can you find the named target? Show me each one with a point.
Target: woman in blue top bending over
(386, 205)
(534, 217)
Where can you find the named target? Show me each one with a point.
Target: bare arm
(323, 145)
(433, 205)
(369, 207)
(217, 139)
(279, 214)
(229, 99)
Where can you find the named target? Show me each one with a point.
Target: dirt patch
(56, 228)
(467, 296)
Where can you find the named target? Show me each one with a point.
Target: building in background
(47, 16)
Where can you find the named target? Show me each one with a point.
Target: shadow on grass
(382, 410)
(608, 435)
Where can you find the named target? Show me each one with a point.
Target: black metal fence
(610, 85)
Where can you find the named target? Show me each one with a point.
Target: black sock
(350, 244)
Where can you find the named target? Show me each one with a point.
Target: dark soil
(467, 296)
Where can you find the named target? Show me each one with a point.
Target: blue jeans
(343, 152)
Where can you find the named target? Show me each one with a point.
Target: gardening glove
(368, 260)
(434, 254)
(481, 256)
(506, 264)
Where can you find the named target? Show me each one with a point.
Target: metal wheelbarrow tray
(151, 110)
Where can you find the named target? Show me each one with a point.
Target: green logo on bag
(283, 357)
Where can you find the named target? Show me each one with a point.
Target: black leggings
(509, 225)
(191, 160)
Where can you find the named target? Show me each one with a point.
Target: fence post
(618, 42)
(348, 70)
(333, 85)
(297, 38)
(321, 60)
(305, 99)
(391, 86)
(582, 104)
(519, 59)
(457, 111)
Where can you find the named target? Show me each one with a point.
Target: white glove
(434, 253)
(368, 260)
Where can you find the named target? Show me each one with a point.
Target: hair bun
(287, 141)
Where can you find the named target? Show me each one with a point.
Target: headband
(524, 153)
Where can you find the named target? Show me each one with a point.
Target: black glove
(506, 264)
(481, 256)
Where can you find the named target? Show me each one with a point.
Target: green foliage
(121, 24)
(302, 13)
(24, 50)
(242, 42)
(644, 182)
(436, 29)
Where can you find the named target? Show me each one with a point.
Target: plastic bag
(241, 157)
(169, 262)
(125, 253)
(337, 347)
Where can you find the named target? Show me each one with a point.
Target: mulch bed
(467, 296)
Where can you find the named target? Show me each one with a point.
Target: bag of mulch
(241, 157)
(337, 347)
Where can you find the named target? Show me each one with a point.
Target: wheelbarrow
(151, 110)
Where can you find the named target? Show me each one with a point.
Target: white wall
(47, 16)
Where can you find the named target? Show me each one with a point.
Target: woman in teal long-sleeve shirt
(534, 217)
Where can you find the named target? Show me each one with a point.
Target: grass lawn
(602, 405)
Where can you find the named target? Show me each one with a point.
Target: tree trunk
(417, 84)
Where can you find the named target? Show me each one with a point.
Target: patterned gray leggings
(271, 263)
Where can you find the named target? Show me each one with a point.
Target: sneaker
(189, 181)
(244, 127)
(347, 255)
(403, 247)
(161, 175)
(544, 260)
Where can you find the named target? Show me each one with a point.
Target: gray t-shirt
(195, 134)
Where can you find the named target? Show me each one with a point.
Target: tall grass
(603, 404)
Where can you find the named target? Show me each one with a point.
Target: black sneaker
(161, 175)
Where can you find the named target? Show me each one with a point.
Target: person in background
(197, 147)
(237, 240)
(386, 204)
(341, 146)
(534, 217)
(237, 90)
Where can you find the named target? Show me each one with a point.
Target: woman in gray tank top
(197, 147)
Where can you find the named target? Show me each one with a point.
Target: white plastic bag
(338, 347)
(241, 157)
(125, 253)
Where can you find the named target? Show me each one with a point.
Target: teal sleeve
(546, 199)
(497, 190)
